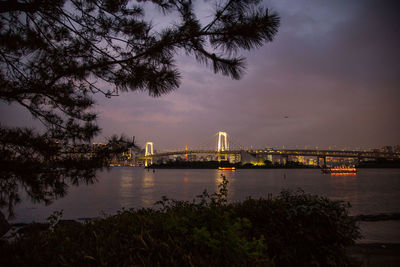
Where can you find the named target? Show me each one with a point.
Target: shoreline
(32, 227)
(375, 254)
(361, 218)
(244, 167)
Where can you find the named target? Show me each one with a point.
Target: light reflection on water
(127, 187)
(147, 189)
(370, 191)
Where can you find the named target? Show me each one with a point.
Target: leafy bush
(301, 229)
(292, 229)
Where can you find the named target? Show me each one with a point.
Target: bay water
(370, 191)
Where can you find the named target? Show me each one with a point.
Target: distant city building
(234, 158)
(312, 162)
(269, 158)
(191, 157)
(299, 159)
(387, 149)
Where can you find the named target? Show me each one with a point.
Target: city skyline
(330, 78)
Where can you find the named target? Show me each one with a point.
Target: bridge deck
(289, 152)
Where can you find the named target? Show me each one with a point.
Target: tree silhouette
(55, 55)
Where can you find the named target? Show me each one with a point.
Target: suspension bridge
(227, 150)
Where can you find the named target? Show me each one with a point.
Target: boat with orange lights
(340, 170)
(227, 168)
(115, 165)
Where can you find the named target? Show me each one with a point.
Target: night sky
(330, 78)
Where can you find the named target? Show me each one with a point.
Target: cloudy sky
(333, 70)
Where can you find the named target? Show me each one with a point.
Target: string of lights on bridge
(227, 146)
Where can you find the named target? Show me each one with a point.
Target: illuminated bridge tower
(222, 146)
(148, 154)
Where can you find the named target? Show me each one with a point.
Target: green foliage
(304, 229)
(54, 218)
(292, 229)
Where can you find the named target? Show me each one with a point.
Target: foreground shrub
(301, 229)
(292, 229)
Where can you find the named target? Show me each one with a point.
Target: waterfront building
(234, 158)
(312, 162)
(387, 149)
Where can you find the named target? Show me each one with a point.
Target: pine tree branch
(217, 17)
(14, 5)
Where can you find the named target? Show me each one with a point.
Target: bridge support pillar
(149, 151)
(319, 162)
(222, 157)
(148, 161)
(222, 141)
(284, 160)
(222, 146)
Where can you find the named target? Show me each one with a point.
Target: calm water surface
(370, 191)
